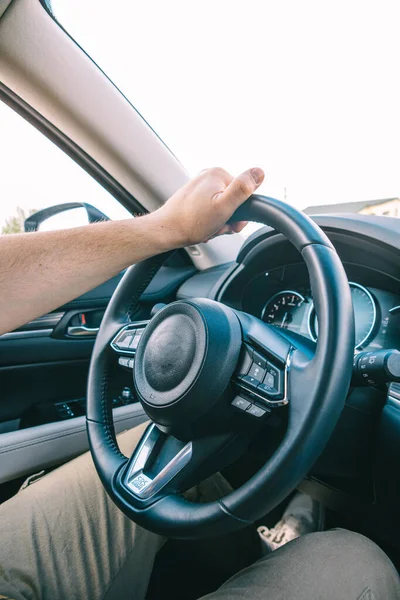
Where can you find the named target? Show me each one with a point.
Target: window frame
(71, 149)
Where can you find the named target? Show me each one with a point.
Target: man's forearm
(42, 271)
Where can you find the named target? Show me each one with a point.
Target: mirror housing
(33, 222)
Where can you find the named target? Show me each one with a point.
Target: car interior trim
(140, 484)
(70, 148)
(34, 448)
(29, 333)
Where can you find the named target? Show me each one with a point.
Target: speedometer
(364, 315)
(281, 310)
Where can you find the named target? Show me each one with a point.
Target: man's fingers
(237, 226)
(242, 187)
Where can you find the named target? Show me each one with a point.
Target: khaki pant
(62, 538)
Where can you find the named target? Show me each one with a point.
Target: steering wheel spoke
(163, 465)
(156, 466)
(126, 341)
(261, 377)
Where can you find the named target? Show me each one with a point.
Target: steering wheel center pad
(185, 361)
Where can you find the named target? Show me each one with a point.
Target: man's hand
(200, 209)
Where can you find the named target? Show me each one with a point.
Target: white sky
(307, 90)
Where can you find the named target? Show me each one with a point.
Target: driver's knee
(338, 548)
(334, 564)
(342, 564)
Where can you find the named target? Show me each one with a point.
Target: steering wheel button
(124, 340)
(259, 360)
(273, 378)
(269, 380)
(256, 411)
(123, 361)
(270, 391)
(249, 380)
(134, 342)
(257, 372)
(241, 403)
(272, 370)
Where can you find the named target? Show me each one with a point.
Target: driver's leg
(63, 538)
(333, 565)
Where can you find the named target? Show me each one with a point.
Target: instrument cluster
(376, 312)
(289, 309)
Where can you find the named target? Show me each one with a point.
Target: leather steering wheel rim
(318, 387)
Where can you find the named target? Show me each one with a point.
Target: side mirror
(82, 214)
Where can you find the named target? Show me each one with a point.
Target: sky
(306, 90)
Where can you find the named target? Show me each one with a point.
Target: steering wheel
(209, 377)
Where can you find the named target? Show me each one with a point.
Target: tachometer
(364, 314)
(281, 309)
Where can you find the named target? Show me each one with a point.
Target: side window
(35, 174)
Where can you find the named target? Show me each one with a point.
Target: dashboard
(291, 307)
(270, 279)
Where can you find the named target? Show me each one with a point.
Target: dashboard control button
(245, 360)
(374, 368)
(273, 371)
(135, 342)
(269, 380)
(124, 361)
(273, 376)
(250, 381)
(272, 384)
(126, 396)
(123, 341)
(256, 411)
(240, 403)
(257, 372)
(260, 360)
(270, 391)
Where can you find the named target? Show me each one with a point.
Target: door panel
(43, 366)
(24, 386)
(30, 450)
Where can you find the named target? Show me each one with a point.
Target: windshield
(306, 90)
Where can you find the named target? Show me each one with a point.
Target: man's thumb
(242, 187)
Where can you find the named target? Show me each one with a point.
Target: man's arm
(41, 271)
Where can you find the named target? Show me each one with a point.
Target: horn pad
(185, 360)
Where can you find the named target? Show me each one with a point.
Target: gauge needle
(285, 316)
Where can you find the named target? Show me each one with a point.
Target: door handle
(82, 331)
